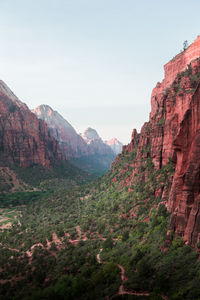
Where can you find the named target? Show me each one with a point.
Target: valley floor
(98, 241)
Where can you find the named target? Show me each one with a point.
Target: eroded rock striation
(173, 133)
(24, 140)
(71, 143)
(86, 151)
(96, 144)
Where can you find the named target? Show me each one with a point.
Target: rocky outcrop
(184, 199)
(89, 135)
(72, 144)
(100, 155)
(95, 143)
(86, 151)
(115, 145)
(173, 133)
(24, 140)
(180, 62)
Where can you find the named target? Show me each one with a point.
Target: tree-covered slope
(134, 233)
(98, 241)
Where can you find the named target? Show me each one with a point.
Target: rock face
(95, 143)
(89, 135)
(180, 61)
(24, 139)
(173, 133)
(86, 151)
(71, 144)
(115, 145)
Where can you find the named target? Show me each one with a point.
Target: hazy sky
(94, 61)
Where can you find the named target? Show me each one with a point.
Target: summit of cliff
(24, 140)
(180, 62)
(90, 134)
(5, 91)
(115, 145)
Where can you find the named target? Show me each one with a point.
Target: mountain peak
(113, 141)
(43, 110)
(24, 139)
(90, 134)
(115, 145)
(72, 145)
(6, 91)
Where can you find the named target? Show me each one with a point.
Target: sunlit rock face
(180, 62)
(24, 139)
(95, 143)
(87, 151)
(90, 134)
(115, 145)
(173, 133)
(71, 143)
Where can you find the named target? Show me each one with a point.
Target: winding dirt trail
(30, 252)
(58, 242)
(78, 229)
(123, 277)
(98, 256)
(121, 290)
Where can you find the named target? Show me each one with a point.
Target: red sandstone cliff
(180, 61)
(24, 139)
(173, 132)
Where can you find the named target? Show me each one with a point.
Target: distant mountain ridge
(24, 139)
(71, 144)
(87, 151)
(43, 138)
(90, 134)
(95, 143)
(30, 156)
(115, 145)
(6, 92)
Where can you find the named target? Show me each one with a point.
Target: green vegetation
(97, 165)
(193, 77)
(57, 237)
(185, 45)
(20, 198)
(161, 122)
(63, 174)
(8, 217)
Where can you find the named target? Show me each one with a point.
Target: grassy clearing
(8, 215)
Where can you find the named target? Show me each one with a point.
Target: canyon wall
(173, 134)
(86, 151)
(24, 139)
(72, 144)
(180, 61)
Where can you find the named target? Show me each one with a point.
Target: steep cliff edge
(71, 143)
(87, 152)
(24, 139)
(172, 134)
